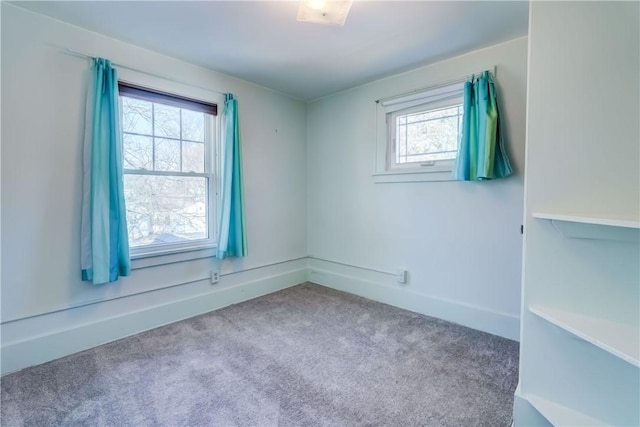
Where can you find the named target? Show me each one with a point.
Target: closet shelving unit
(589, 354)
(617, 338)
(580, 312)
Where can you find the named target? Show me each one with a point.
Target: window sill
(412, 176)
(171, 255)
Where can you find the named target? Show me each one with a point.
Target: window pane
(428, 135)
(167, 155)
(136, 116)
(166, 121)
(192, 125)
(165, 209)
(401, 140)
(193, 157)
(138, 152)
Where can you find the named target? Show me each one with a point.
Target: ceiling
(261, 41)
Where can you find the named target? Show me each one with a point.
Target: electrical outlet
(215, 276)
(402, 276)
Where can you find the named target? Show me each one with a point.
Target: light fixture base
(329, 12)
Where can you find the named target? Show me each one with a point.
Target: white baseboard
(52, 344)
(525, 414)
(381, 287)
(47, 337)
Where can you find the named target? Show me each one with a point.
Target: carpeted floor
(304, 356)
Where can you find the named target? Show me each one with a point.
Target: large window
(169, 145)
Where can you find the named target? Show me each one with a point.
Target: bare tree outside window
(167, 172)
(428, 135)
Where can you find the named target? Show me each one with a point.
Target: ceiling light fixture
(327, 12)
(316, 4)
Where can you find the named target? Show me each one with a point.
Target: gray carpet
(304, 356)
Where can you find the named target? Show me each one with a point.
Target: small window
(420, 134)
(424, 136)
(169, 145)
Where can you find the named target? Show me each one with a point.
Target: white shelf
(559, 415)
(620, 339)
(594, 227)
(627, 222)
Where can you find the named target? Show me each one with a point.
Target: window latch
(429, 163)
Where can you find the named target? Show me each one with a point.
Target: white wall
(461, 242)
(43, 91)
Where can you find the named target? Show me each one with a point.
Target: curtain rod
(85, 56)
(437, 85)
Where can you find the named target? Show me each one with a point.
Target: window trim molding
(382, 172)
(412, 175)
(456, 98)
(163, 250)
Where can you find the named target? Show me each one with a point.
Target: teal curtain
(232, 240)
(105, 244)
(481, 152)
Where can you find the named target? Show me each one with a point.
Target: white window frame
(392, 144)
(200, 247)
(432, 97)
